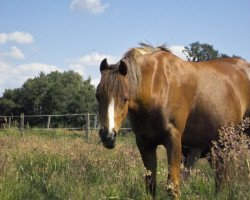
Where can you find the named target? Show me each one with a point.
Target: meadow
(58, 164)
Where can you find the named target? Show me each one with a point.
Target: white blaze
(111, 115)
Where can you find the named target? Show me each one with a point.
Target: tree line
(54, 93)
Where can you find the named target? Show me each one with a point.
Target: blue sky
(47, 35)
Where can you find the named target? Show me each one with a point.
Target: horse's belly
(200, 132)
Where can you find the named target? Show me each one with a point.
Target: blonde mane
(144, 49)
(134, 70)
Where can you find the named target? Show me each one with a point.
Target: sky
(47, 35)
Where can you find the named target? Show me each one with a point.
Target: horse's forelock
(112, 83)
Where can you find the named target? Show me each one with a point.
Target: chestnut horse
(171, 102)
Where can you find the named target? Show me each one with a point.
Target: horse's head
(112, 95)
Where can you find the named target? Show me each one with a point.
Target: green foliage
(201, 52)
(55, 93)
(6, 106)
(197, 52)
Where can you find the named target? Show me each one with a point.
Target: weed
(230, 159)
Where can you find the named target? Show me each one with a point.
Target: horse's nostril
(112, 135)
(107, 137)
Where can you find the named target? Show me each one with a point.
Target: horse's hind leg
(149, 159)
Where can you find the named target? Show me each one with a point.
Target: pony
(171, 102)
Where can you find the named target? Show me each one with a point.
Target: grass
(61, 165)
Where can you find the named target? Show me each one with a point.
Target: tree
(202, 52)
(10, 102)
(55, 93)
(6, 106)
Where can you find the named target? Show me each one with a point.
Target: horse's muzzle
(108, 139)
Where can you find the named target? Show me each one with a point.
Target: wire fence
(83, 122)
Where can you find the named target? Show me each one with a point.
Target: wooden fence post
(95, 122)
(87, 126)
(28, 126)
(9, 122)
(48, 123)
(22, 124)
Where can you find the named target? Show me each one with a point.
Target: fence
(87, 121)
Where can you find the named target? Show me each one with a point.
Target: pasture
(57, 164)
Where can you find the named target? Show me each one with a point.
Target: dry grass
(38, 167)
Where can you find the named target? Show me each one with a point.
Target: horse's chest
(149, 128)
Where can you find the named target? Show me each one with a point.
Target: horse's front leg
(148, 155)
(173, 147)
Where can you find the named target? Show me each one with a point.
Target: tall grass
(41, 167)
(231, 161)
(61, 165)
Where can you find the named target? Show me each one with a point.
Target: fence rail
(89, 122)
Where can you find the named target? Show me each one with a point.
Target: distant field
(61, 165)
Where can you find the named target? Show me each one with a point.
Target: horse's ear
(104, 65)
(123, 69)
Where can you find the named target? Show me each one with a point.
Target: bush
(230, 159)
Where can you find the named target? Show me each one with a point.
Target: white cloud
(19, 37)
(95, 81)
(14, 76)
(93, 59)
(33, 69)
(16, 53)
(88, 65)
(92, 6)
(13, 53)
(90, 62)
(4, 71)
(178, 51)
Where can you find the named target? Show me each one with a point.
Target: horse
(171, 102)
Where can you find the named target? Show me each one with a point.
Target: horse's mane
(131, 59)
(134, 71)
(144, 49)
